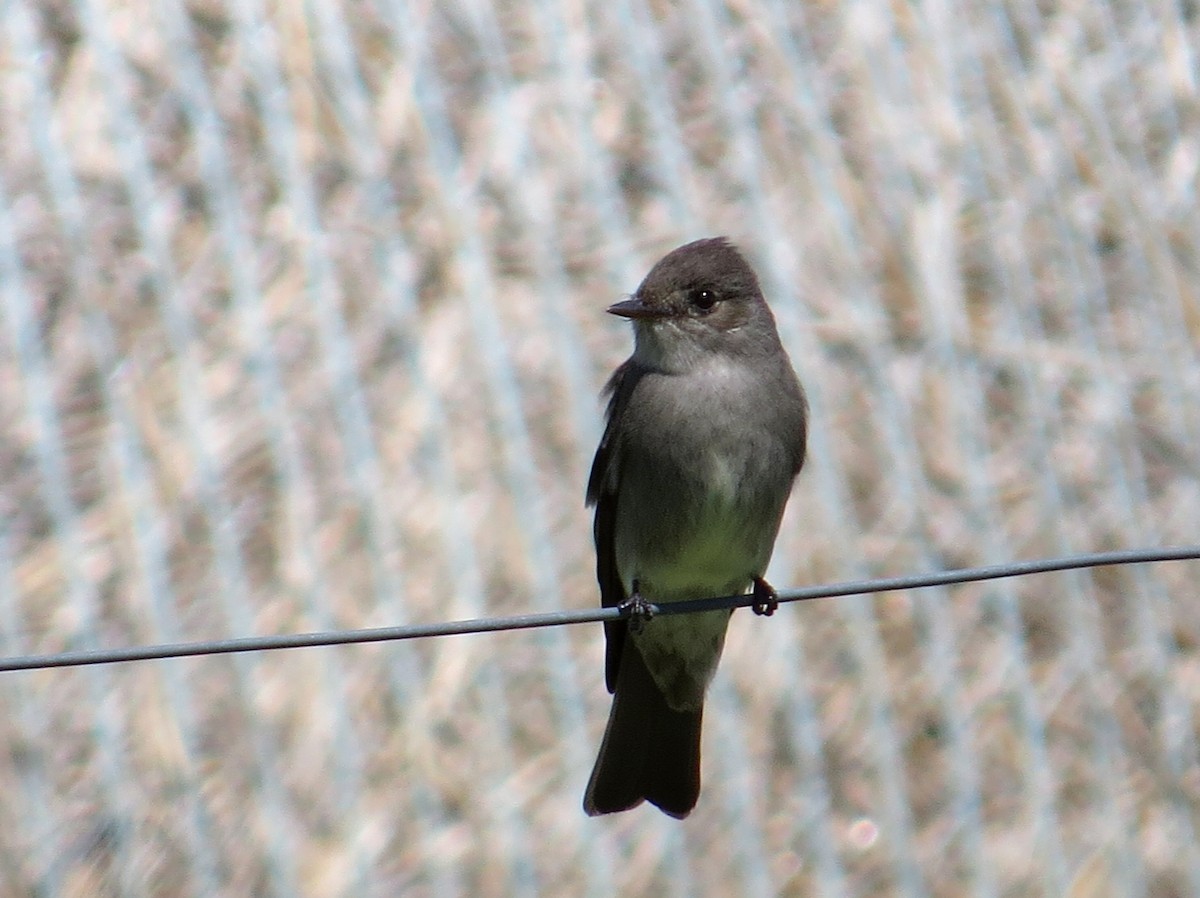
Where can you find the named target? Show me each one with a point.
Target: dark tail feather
(650, 751)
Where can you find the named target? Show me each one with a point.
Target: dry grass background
(302, 328)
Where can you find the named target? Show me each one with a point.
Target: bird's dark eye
(703, 299)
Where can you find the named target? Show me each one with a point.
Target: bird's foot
(766, 599)
(639, 611)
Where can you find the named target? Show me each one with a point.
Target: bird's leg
(766, 599)
(638, 609)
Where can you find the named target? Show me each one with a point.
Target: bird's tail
(650, 751)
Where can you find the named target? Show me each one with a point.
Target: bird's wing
(602, 493)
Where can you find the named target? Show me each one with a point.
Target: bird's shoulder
(618, 389)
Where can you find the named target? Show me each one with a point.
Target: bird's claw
(766, 599)
(638, 610)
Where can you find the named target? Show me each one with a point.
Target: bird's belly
(689, 539)
(691, 529)
(718, 555)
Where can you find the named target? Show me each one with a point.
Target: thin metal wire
(587, 616)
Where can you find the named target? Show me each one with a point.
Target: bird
(706, 428)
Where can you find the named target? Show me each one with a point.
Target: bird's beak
(636, 309)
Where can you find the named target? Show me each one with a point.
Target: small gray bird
(705, 436)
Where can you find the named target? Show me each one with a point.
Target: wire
(593, 615)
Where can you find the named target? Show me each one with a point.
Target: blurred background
(301, 327)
